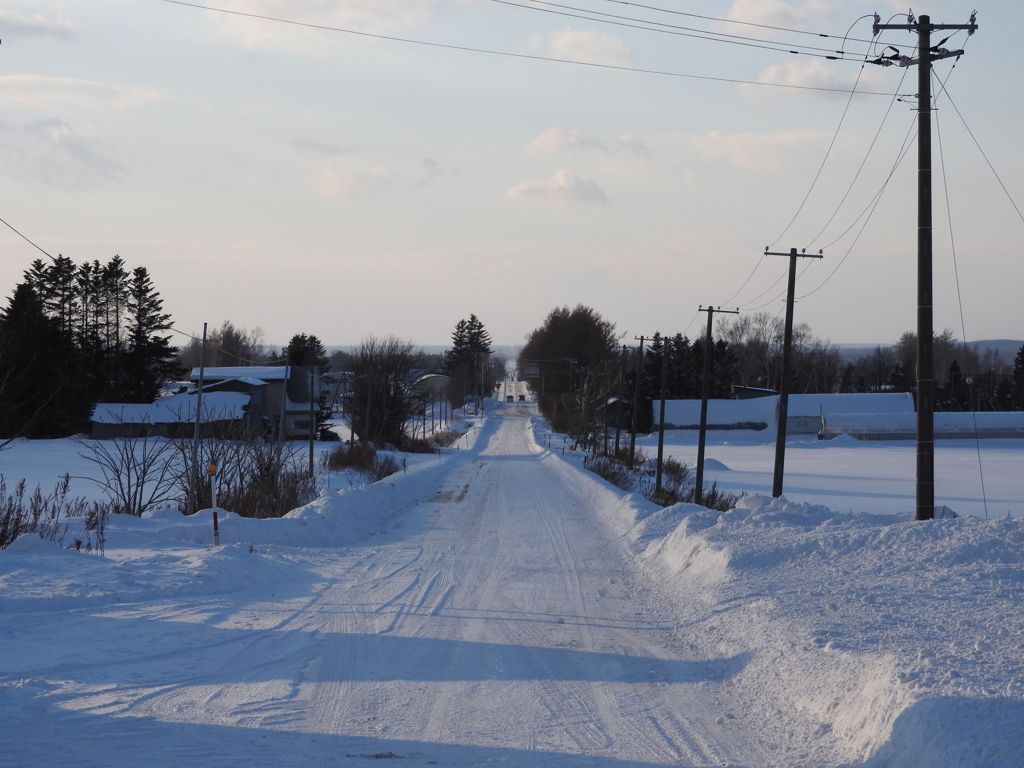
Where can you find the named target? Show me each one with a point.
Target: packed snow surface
(498, 605)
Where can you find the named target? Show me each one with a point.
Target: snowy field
(500, 606)
(848, 475)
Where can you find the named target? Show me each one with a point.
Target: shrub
(615, 472)
(48, 516)
(676, 485)
(445, 438)
(364, 459)
(359, 457)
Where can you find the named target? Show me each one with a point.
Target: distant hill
(1008, 348)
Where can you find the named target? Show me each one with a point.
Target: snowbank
(892, 641)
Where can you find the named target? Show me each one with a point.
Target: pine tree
(471, 345)
(650, 384)
(33, 373)
(309, 352)
(149, 361)
(682, 381)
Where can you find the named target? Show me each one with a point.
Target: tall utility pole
(636, 397)
(787, 348)
(193, 472)
(618, 405)
(926, 54)
(709, 348)
(661, 415)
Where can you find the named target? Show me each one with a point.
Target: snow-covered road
(497, 620)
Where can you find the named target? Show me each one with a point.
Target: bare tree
(226, 346)
(876, 367)
(137, 472)
(381, 398)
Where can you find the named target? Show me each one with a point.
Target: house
(174, 416)
(276, 389)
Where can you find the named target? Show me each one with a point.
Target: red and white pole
(213, 495)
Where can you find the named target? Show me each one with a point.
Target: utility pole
(787, 348)
(709, 347)
(926, 54)
(618, 405)
(312, 422)
(636, 397)
(193, 472)
(661, 417)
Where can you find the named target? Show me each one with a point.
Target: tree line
(73, 335)
(586, 378)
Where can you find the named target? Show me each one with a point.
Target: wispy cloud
(307, 146)
(815, 74)
(778, 13)
(760, 152)
(589, 45)
(15, 25)
(430, 170)
(565, 187)
(38, 90)
(338, 178)
(53, 153)
(560, 140)
(373, 16)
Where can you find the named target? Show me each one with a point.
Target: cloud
(431, 169)
(15, 25)
(565, 187)
(560, 140)
(337, 178)
(38, 90)
(815, 74)
(51, 152)
(372, 16)
(307, 146)
(589, 45)
(762, 152)
(779, 14)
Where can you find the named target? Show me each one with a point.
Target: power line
(870, 210)
(509, 54)
(670, 29)
(737, 21)
(824, 160)
(982, 151)
(23, 237)
(863, 162)
(960, 302)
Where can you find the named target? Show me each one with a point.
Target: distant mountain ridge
(1008, 348)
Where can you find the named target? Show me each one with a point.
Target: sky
(305, 180)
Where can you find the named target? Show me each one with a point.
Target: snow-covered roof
(251, 381)
(217, 406)
(686, 413)
(851, 402)
(961, 422)
(264, 372)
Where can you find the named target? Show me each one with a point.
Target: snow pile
(38, 575)
(889, 640)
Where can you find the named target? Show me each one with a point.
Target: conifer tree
(149, 361)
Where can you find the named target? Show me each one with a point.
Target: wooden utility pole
(709, 347)
(926, 54)
(636, 397)
(787, 348)
(193, 472)
(618, 404)
(661, 416)
(312, 423)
